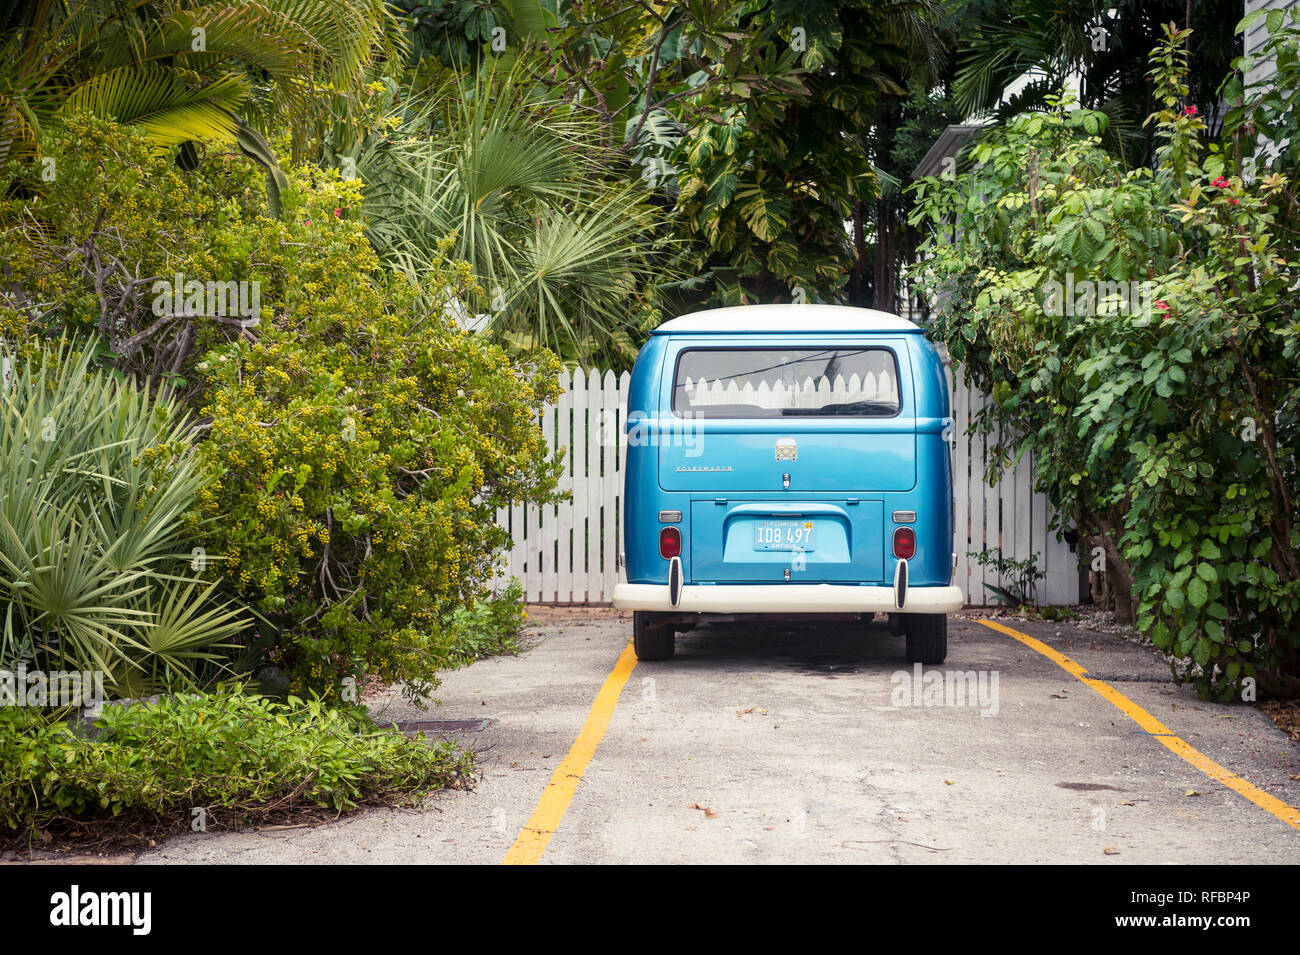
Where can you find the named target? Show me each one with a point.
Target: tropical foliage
(359, 442)
(1137, 330)
(1102, 45)
(751, 119)
(223, 73)
(562, 244)
(366, 443)
(209, 761)
(100, 244)
(98, 566)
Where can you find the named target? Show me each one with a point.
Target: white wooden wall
(568, 553)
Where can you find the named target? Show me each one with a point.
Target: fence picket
(564, 512)
(547, 538)
(977, 492)
(611, 485)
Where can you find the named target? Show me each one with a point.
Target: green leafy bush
(365, 446)
(98, 569)
(489, 626)
(231, 754)
(1137, 331)
(87, 234)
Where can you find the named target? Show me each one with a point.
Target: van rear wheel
(927, 637)
(651, 642)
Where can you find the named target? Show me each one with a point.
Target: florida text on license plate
(783, 535)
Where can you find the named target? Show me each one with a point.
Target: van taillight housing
(670, 543)
(904, 543)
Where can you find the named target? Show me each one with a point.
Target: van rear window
(782, 382)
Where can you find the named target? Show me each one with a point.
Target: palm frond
(159, 99)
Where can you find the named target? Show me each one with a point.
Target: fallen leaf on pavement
(1110, 851)
(1191, 792)
(708, 813)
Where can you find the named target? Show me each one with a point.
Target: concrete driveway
(820, 745)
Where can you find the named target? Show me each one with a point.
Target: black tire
(927, 638)
(651, 643)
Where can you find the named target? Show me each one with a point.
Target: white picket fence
(568, 553)
(1008, 514)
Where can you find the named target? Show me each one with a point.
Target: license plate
(783, 535)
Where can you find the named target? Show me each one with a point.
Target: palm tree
(557, 230)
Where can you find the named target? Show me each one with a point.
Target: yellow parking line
(1271, 804)
(545, 820)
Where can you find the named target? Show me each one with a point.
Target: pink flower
(338, 213)
(1236, 202)
(1221, 183)
(1190, 111)
(1162, 305)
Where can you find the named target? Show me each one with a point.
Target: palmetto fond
(558, 231)
(96, 567)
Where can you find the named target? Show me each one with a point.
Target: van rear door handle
(785, 480)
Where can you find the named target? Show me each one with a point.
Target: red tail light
(904, 543)
(670, 543)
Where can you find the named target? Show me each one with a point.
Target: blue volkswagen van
(788, 460)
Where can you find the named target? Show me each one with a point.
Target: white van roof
(787, 318)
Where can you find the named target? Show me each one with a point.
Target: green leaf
(252, 145)
(764, 212)
(170, 109)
